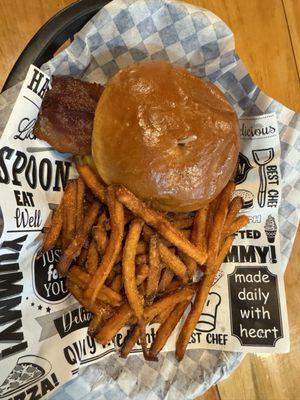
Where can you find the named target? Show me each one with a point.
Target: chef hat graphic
(208, 318)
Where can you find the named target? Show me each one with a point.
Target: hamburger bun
(167, 135)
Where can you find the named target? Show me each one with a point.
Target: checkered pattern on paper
(117, 379)
(124, 32)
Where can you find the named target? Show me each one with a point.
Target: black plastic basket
(52, 35)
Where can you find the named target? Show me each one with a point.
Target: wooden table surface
(267, 34)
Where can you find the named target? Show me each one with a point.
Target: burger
(165, 134)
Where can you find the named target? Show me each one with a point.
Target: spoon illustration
(262, 157)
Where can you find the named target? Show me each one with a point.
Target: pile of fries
(130, 265)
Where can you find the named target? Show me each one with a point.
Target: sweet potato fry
(222, 254)
(79, 203)
(75, 290)
(179, 240)
(154, 268)
(191, 265)
(160, 318)
(166, 328)
(112, 249)
(83, 279)
(219, 220)
(110, 277)
(163, 303)
(142, 271)
(236, 225)
(114, 297)
(78, 276)
(173, 285)
(204, 287)
(159, 222)
(130, 340)
(142, 289)
(92, 258)
(173, 262)
(210, 217)
(141, 259)
(91, 180)
(132, 337)
(104, 221)
(194, 315)
(198, 238)
(98, 308)
(124, 313)
(100, 235)
(58, 243)
(147, 233)
(234, 207)
(117, 283)
(169, 319)
(128, 267)
(141, 248)
(200, 222)
(94, 325)
(166, 278)
(119, 257)
(69, 213)
(74, 248)
(52, 235)
(128, 217)
(138, 207)
(81, 259)
(143, 341)
(114, 324)
(104, 312)
(141, 253)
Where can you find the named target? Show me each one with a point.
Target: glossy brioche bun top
(168, 136)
